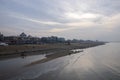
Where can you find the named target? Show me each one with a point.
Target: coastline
(59, 49)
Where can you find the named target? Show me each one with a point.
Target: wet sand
(13, 51)
(53, 56)
(95, 63)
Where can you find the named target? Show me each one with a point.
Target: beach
(33, 49)
(93, 63)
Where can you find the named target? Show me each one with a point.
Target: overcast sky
(80, 19)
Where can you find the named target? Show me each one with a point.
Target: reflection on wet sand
(98, 63)
(55, 55)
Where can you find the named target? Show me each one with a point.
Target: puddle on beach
(23, 60)
(97, 63)
(16, 64)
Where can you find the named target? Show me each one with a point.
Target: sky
(79, 19)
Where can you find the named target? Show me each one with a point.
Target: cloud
(62, 17)
(73, 26)
(36, 20)
(81, 24)
(79, 16)
(59, 29)
(111, 21)
(104, 22)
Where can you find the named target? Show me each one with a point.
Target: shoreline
(13, 51)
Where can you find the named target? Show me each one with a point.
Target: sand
(26, 50)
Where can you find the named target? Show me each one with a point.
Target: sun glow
(71, 15)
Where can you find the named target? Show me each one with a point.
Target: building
(1, 37)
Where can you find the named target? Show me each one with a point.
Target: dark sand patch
(12, 51)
